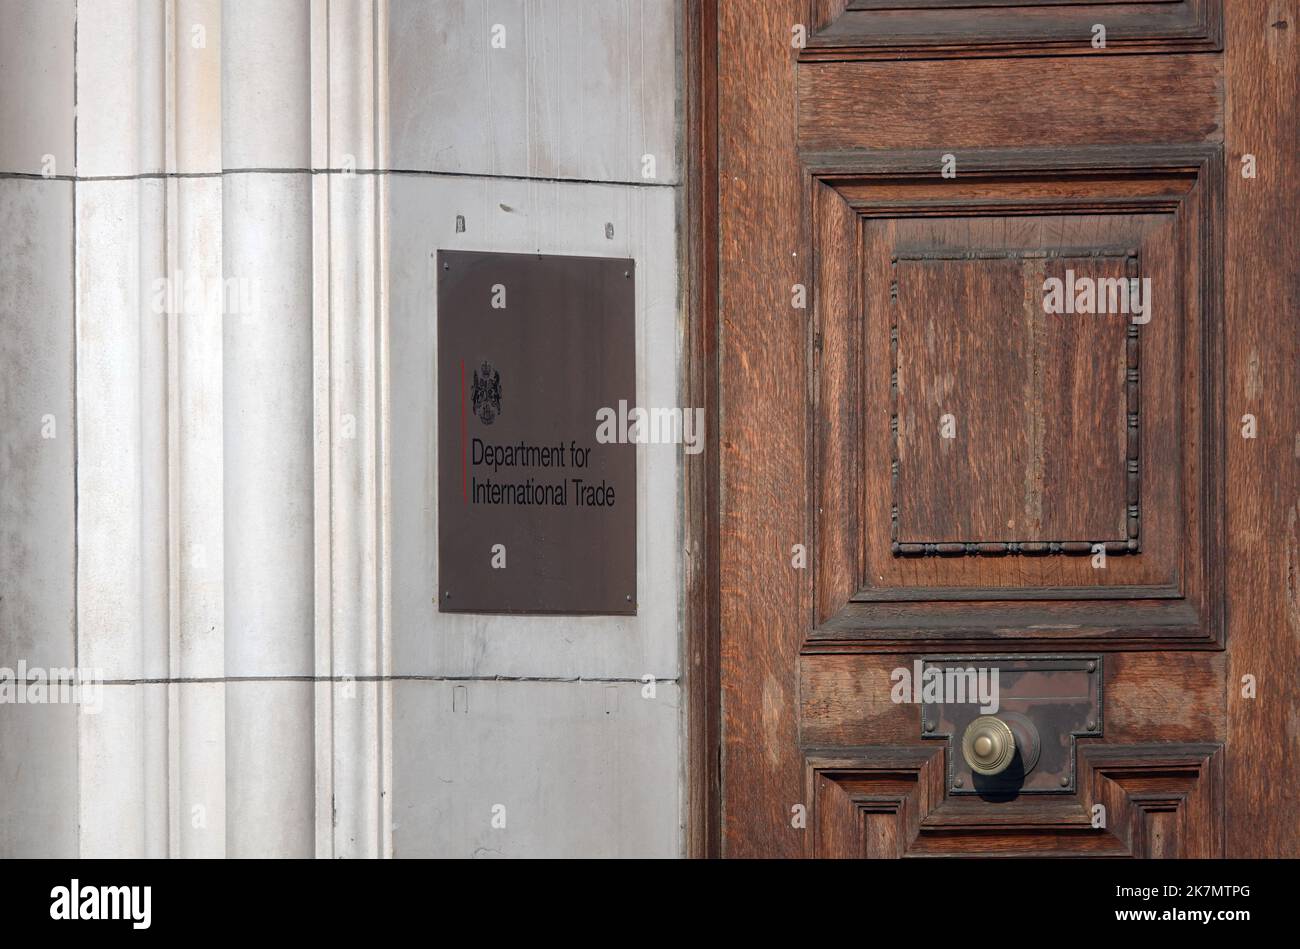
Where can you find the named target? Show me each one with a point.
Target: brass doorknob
(988, 745)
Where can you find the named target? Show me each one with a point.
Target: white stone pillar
(150, 573)
(38, 766)
(269, 429)
(353, 701)
(196, 301)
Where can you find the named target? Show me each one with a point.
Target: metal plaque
(536, 486)
(1047, 701)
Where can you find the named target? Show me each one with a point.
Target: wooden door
(939, 450)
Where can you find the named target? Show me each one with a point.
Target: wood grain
(1174, 391)
(837, 308)
(1157, 799)
(1169, 508)
(889, 29)
(764, 456)
(699, 266)
(1168, 696)
(828, 177)
(1011, 422)
(1130, 100)
(1263, 562)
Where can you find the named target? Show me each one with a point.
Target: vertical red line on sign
(464, 423)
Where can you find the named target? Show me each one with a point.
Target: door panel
(925, 464)
(987, 447)
(991, 103)
(896, 29)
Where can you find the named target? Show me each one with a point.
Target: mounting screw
(447, 594)
(956, 782)
(628, 597)
(1091, 724)
(446, 266)
(1092, 667)
(1065, 781)
(627, 273)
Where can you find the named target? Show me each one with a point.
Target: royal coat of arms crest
(486, 393)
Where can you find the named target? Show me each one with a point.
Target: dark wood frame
(698, 250)
(913, 29)
(900, 789)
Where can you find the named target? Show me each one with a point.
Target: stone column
(194, 304)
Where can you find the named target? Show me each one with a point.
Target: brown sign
(536, 513)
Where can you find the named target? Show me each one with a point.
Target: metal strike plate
(1047, 702)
